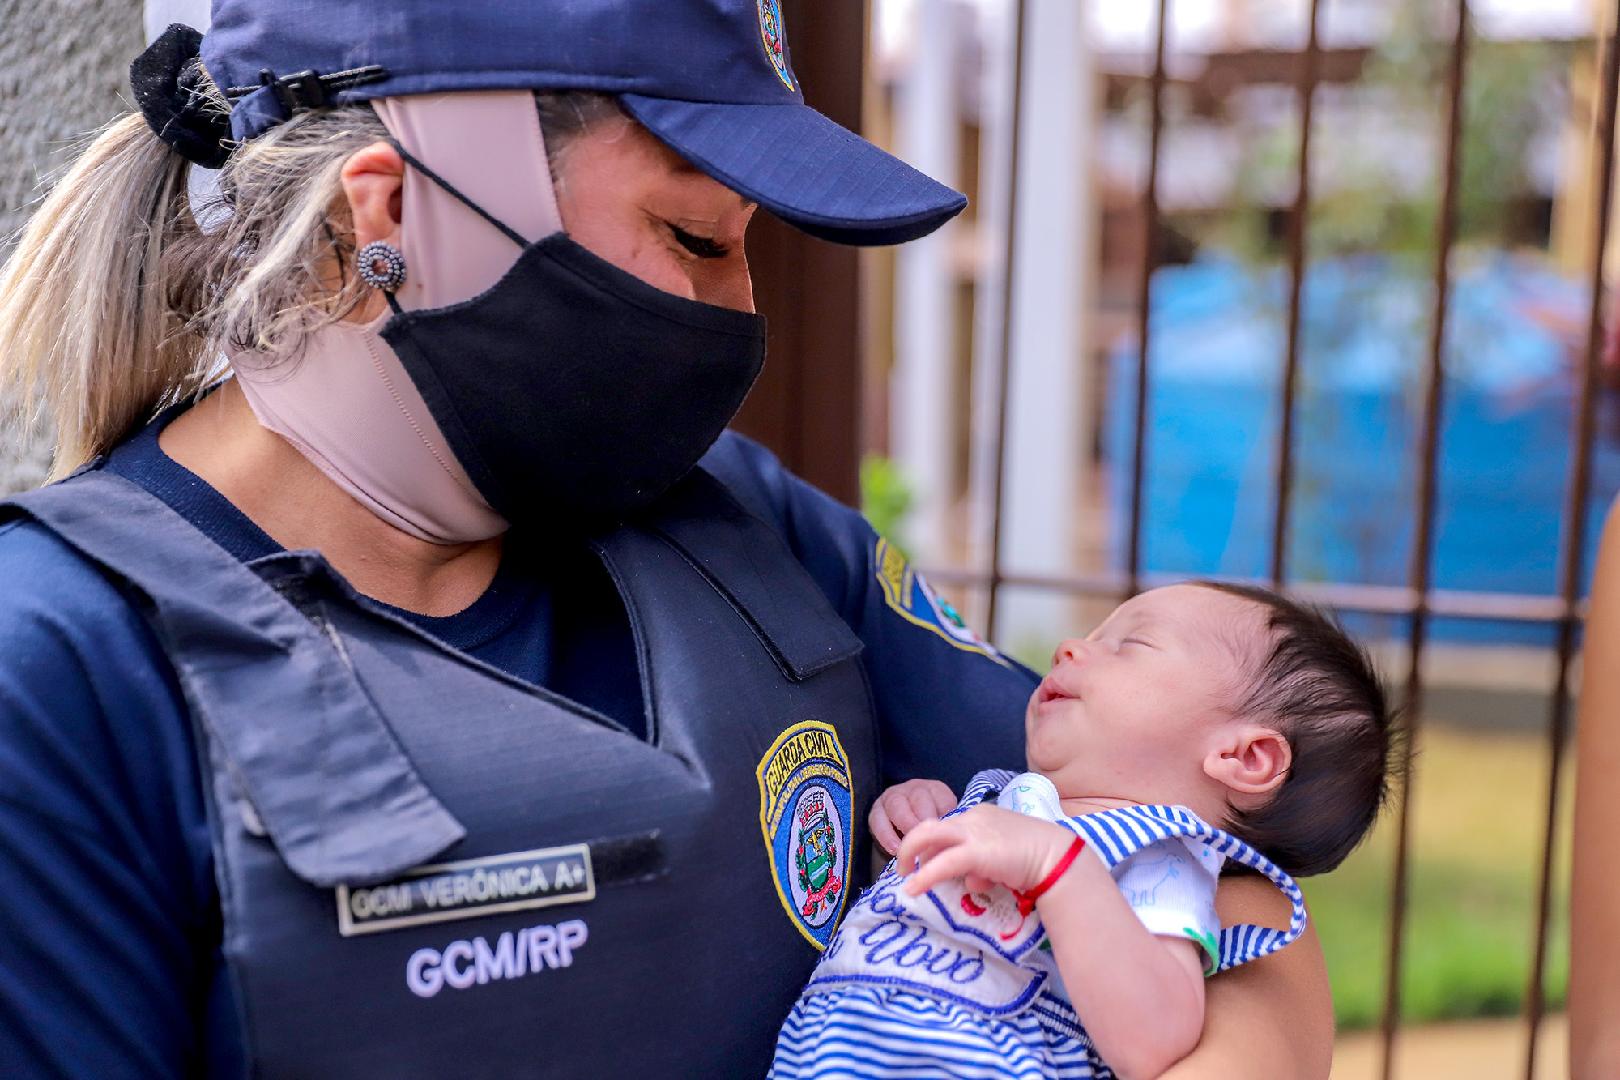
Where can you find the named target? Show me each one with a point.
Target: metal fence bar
(1418, 600)
(1569, 578)
(1422, 544)
(1004, 360)
(1366, 599)
(1150, 246)
(1309, 62)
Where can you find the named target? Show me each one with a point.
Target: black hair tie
(168, 87)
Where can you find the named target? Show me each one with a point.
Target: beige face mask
(345, 402)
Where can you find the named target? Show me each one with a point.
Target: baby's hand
(985, 846)
(901, 808)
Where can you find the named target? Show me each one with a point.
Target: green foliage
(1467, 947)
(1505, 92)
(886, 498)
(1508, 90)
(1472, 892)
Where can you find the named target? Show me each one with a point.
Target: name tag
(469, 889)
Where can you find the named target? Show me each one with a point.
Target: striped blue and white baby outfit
(953, 984)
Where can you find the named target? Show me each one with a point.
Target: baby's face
(1131, 710)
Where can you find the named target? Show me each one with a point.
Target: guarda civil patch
(909, 595)
(806, 800)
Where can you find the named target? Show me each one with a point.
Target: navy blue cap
(713, 79)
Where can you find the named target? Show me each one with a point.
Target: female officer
(443, 690)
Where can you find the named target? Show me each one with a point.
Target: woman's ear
(1251, 760)
(373, 180)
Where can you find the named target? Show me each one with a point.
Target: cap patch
(774, 36)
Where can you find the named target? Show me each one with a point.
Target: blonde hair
(116, 303)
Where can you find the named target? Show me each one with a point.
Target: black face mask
(571, 388)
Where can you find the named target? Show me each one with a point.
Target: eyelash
(701, 246)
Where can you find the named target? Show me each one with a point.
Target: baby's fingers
(941, 798)
(902, 811)
(925, 842)
(883, 829)
(929, 799)
(954, 862)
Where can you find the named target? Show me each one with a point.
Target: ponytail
(86, 335)
(116, 303)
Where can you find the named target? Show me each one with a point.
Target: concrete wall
(64, 68)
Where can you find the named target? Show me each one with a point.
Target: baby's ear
(1250, 759)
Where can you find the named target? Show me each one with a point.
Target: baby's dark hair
(1319, 689)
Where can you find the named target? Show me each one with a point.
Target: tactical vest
(428, 867)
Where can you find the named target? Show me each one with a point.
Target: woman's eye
(702, 246)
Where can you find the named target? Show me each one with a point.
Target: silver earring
(381, 265)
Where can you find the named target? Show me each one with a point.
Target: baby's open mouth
(1049, 690)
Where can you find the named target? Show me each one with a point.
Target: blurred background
(1182, 332)
(1213, 199)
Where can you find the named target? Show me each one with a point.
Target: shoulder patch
(806, 799)
(910, 596)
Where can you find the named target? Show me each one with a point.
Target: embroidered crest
(910, 596)
(806, 799)
(774, 36)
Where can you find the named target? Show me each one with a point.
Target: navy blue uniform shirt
(110, 962)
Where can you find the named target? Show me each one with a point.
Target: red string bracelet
(1026, 900)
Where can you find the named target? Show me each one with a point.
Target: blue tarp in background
(1218, 341)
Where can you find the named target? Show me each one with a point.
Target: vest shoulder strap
(270, 688)
(743, 558)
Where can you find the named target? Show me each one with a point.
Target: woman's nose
(724, 283)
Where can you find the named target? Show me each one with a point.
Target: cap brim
(804, 168)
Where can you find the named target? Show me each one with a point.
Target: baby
(1064, 918)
